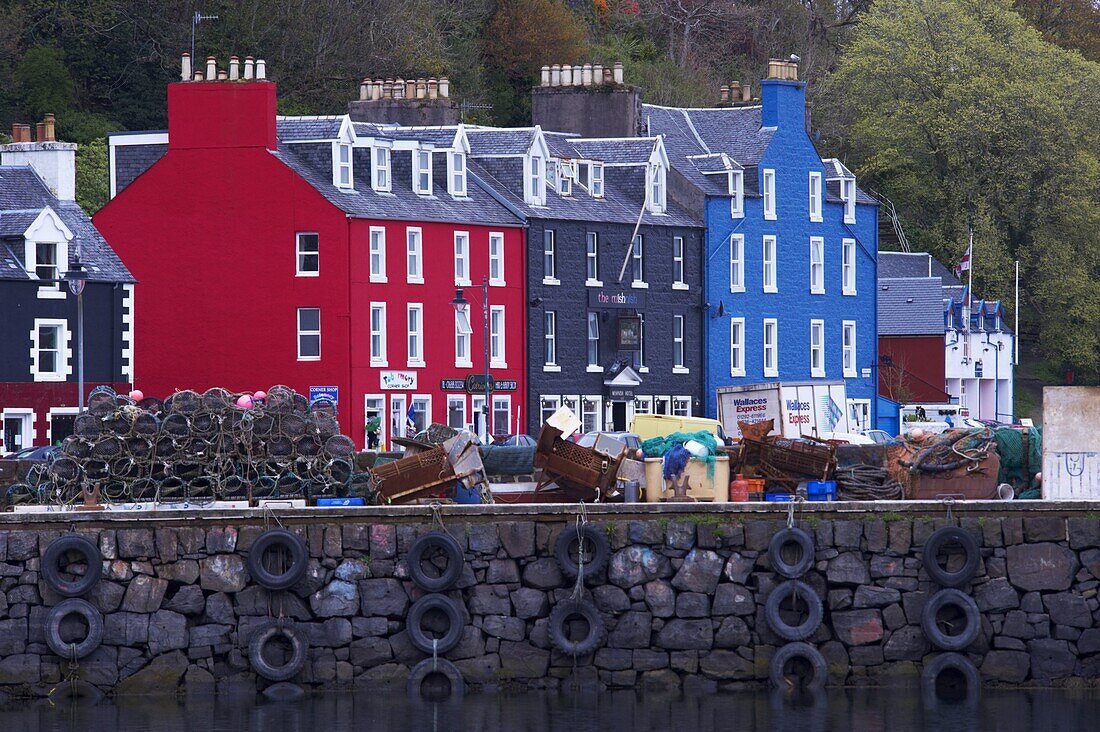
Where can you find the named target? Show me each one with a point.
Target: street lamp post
(77, 278)
(462, 307)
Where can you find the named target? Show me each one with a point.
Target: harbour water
(864, 710)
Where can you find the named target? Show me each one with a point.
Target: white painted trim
(113, 141)
(64, 350)
(377, 276)
(772, 372)
(30, 431)
(380, 359)
(468, 361)
(848, 245)
(298, 271)
(737, 365)
(496, 281)
(499, 362)
(417, 170)
(59, 412)
(337, 166)
(383, 418)
(815, 204)
(410, 278)
(128, 321)
(594, 369)
(299, 333)
(817, 287)
(465, 258)
(375, 168)
(774, 287)
(853, 371)
(417, 360)
(769, 193)
(817, 372)
(740, 239)
(453, 189)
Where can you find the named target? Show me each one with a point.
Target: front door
(16, 433)
(61, 426)
(374, 413)
(398, 418)
(618, 416)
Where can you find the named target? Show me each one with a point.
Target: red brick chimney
(213, 113)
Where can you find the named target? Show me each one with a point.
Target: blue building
(790, 248)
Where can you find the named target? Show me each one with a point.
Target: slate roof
(23, 196)
(289, 129)
(909, 306)
(914, 264)
(133, 160)
(617, 151)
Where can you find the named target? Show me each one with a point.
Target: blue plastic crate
(779, 497)
(341, 502)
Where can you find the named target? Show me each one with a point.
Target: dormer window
(737, 193)
(341, 168)
(657, 188)
(380, 171)
(848, 193)
(422, 175)
(456, 173)
(536, 185)
(595, 171)
(565, 177)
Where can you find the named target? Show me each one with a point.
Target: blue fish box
(821, 490)
(467, 495)
(779, 497)
(340, 502)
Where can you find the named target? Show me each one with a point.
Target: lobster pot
(339, 471)
(158, 470)
(323, 407)
(186, 470)
(280, 446)
(106, 447)
(204, 423)
(325, 425)
(307, 446)
(272, 468)
(175, 424)
(87, 425)
(75, 447)
(21, 493)
(299, 403)
(65, 470)
(293, 424)
(151, 404)
(124, 467)
(263, 424)
(362, 486)
(139, 447)
(217, 400)
(289, 484)
(202, 488)
(265, 487)
(145, 424)
(101, 401)
(340, 447)
(248, 472)
(172, 488)
(96, 470)
(234, 486)
(165, 446)
(250, 447)
(183, 402)
(280, 398)
(143, 489)
(115, 490)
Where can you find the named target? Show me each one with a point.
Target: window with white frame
(592, 254)
(771, 347)
(479, 417)
(548, 405)
(848, 193)
(309, 263)
(309, 334)
(456, 411)
(378, 334)
(657, 177)
(462, 340)
(637, 260)
(536, 191)
(591, 413)
(815, 196)
(848, 266)
(550, 337)
(496, 259)
(496, 337)
(422, 175)
(50, 350)
(549, 260)
(341, 168)
(643, 405)
(849, 348)
(770, 283)
(380, 171)
(737, 347)
(565, 177)
(462, 258)
(678, 282)
(421, 412)
(678, 365)
(596, 171)
(415, 312)
(377, 254)
(681, 406)
(414, 256)
(593, 340)
(817, 348)
(769, 194)
(662, 405)
(46, 264)
(502, 415)
(737, 262)
(456, 173)
(737, 193)
(817, 265)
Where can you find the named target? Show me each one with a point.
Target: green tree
(43, 82)
(91, 175)
(962, 114)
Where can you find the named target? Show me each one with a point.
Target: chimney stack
(53, 161)
(363, 89)
(586, 75)
(50, 122)
(445, 87)
(261, 69)
(40, 132)
(566, 75)
(234, 68)
(223, 75)
(211, 68)
(185, 67)
(735, 92)
(546, 76)
(555, 75)
(746, 92)
(249, 63)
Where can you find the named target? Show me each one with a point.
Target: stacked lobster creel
(200, 448)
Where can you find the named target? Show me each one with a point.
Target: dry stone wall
(682, 601)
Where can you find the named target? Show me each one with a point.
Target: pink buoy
(137, 395)
(244, 401)
(260, 395)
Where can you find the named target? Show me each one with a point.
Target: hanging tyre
(59, 549)
(435, 679)
(58, 635)
(572, 541)
(435, 561)
(797, 666)
(950, 620)
(430, 635)
(286, 567)
(950, 677)
(562, 616)
(958, 574)
(791, 552)
(793, 611)
(265, 658)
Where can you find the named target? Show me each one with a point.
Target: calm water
(845, 709)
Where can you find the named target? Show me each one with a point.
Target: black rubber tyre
(51, 572)
(787, 537)
(262, 666)
(439, 541)
(283, 691)
(951, 641)
(784, 592)
(74, 606)
(950, 677)
(454, 688)
(276, 539)
(932, 547)
(813, 673)
(75, 692)
(420, 638)
(596, 557)
(561, 614)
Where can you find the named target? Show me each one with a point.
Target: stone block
(480, 670)
(518, 539)
(219, 609)
(733, 633)
(385, 597)
(370, 652)
(502, 571)
(660, 599)
(692, 605)
(1050, 658)
(646, 532)
(337, 599)
(1067, 608)
(848, 569)
(649, 660)
(700, 571)
(106, 596)
(353, 570)
(894, 617)
(483, 538)
(223, 573)
(738, 568)
(996, 595)
(144, 594)
(543, 574)
(185, 571)
(731, 599)
(1043, 566)
(356, 538)
(614, 659)
(684, 661)
(899, 537)
(872, 596)
(858, 627)
(1008, 666)
(847, 534)
(632, 630)
(610, 599)
(21, 668)
(530, 603)
(906, 644)
(636, 565)
(758, 534)
(686, 635)
(167, 631)
(1084, 533)
(1044, 528)
(504, 627)
(522, 661)
(221, 540)
(680, 535)
(21, 545)
(136, 543)
(160, 677)
(840, 599)
(723, 664)
(208, 635)
(490, 600)
(885, 566)
(383, 541)
(126, 629)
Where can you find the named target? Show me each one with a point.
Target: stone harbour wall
(682, 599)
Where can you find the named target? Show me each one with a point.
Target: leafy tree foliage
(91, 175)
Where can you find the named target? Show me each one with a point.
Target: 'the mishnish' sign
(616, 299)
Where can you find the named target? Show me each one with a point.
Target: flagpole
(970, 284)
(1016, 335)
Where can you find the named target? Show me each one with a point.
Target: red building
(294, 250)
(910, 339)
